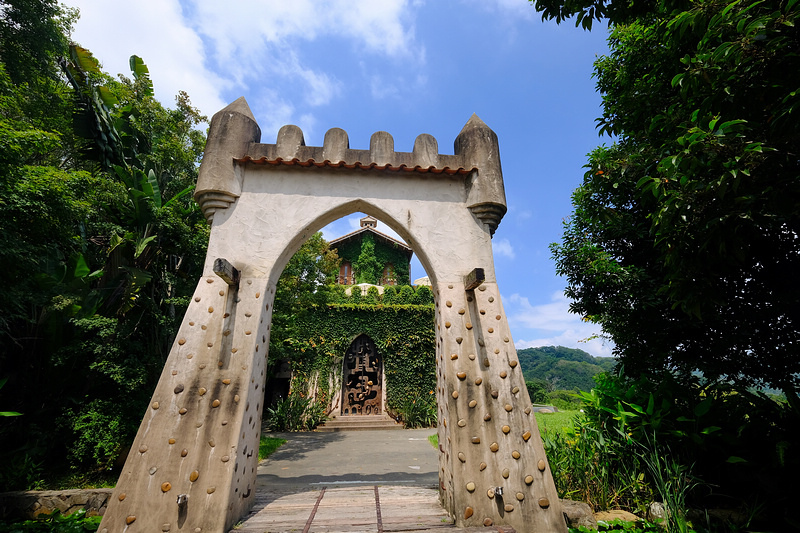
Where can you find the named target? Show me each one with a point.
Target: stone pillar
(192, 466)
(488, 437)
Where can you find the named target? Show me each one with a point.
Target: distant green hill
(563, 368)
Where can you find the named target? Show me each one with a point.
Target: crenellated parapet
(234, 139)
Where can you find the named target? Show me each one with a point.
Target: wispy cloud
(503, 248)
(554, 325)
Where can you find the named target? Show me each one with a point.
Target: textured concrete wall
(199, 437)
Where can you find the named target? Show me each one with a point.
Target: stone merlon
(234, 138)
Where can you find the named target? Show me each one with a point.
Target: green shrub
(56, 522)
(419, 412)
(295, 413)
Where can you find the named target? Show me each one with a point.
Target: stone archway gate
(193, 464)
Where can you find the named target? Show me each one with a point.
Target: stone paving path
(363, 481)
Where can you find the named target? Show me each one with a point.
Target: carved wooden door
(361, 386)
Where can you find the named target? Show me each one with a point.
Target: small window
(345, 273)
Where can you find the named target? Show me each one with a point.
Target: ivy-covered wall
(404, 334)
(369, 256)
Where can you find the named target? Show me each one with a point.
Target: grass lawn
(547, 422)
(555, 421)
(268, 445)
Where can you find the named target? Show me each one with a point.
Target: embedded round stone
(503, 374)
(515, 454)
(155, 405)
(527, 410)
(462, 423)
(476, 440)
(166, 486)
(509, 507)
(171, 441)
(508, 407)
(178, 388)
(496, 351)
(462, 311)
(468, 512)
(153, 470)
(471, 486)
(468, 325)
(459, 340)
(447, 324)
(506, 473)
(236, 398)
(473, 403)
(506, 429)
(453, 357)
(520, 496)
(181, 342)
(212, 443)
(512, 364)
(215, 403)
(143, 448)
(526, 436)
(490, 330)
(487, 417)
(184, 452)
(210, 490)
(165, 527)
(201, 391)
(182, 411)
(494, 447)
(193, 476)
(528, 480)
(472, 357)
(462, 375)
(226, 381)
(482, 467)
(487, 522)
(478, 381)
(515, 390)
(490, 494)
(258, 295)
(122, 496)
(495, 394)
(210, 309)
(455, 394)
(541, 465)
(486, 362)
(544, 503)
(491, 299)
(448, 303)
(130, 519)
(462, 457)
(225, 459)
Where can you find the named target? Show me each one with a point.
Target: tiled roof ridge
(264, 160)
(361, 230)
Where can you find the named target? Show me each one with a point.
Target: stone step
(359, 423)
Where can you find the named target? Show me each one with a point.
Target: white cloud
(215, 49)
(555, 325)
(114, 31)
(503, 247)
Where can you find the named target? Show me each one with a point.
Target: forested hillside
(562, 368)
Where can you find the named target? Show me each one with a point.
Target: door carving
(361, 390)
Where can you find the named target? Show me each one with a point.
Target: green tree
(685, 237)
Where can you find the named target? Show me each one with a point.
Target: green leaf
(703, 407)
(733, 460)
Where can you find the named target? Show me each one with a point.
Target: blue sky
(403, 66)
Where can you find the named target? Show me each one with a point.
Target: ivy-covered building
(369, 256)
(369, 351)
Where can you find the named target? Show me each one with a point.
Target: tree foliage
(562, 368)
(101, 254)
(686, 232)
